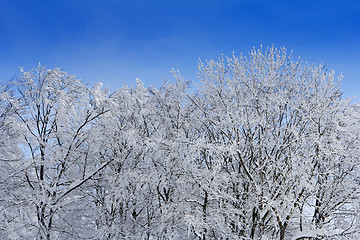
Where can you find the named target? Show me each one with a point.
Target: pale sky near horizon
(115, 42)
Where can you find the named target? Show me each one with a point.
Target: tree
(140, 191)
(278, 130)
(56, 114)
(10, 154)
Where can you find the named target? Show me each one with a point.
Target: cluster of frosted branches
(265, 149)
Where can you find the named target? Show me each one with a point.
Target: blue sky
(115, 42)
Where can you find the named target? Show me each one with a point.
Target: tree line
(267, 148)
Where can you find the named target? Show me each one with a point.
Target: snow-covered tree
(10, 154)
(56, 114)
(284, 139)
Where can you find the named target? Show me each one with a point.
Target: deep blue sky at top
(115, 42)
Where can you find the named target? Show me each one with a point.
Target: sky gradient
(115, 42)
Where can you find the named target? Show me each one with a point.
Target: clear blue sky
(115, 42)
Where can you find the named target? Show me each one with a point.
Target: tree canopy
(267, 148)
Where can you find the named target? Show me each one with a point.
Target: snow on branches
(266, 149)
